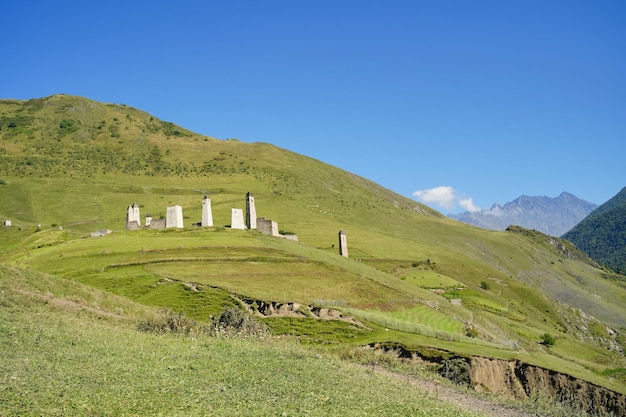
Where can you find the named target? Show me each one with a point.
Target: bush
(3, 182)
(235, 321)
(456, 370)
(485, 285)
(66, 124)
(168, 322)
(471, 332)
(547, 339)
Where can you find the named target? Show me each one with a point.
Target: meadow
(70, 350)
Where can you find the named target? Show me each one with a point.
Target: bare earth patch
(465, 401)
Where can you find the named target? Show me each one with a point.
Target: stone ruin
(100, 233)
(236, 219)
(133, 220)
(174, 219)
(154, 224)
(343, 244)
(267, 227)
(270, 227)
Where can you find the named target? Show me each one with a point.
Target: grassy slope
(71, 350)
(113, 155)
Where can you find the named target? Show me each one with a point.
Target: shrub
(547, 339)
(65, 124)
(471, 332)
(235, 321)
(456, 370)
(165, 321)
(3, 182)
(485, 285)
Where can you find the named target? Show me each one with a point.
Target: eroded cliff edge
(515, 379)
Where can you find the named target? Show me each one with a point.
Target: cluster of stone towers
(174, 218)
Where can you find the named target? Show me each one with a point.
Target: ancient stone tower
(236, 219)
(174, 217)
(250, 212)
(133, 221)
(343, 244)
(207, 214)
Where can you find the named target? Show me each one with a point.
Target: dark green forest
(602, 234)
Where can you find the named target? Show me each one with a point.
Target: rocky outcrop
(271, 308)
(514, 379)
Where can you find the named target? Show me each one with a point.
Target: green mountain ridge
(415, 277)
(602, 234)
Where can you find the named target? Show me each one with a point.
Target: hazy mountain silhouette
(553, 216)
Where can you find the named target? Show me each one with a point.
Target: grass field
(62, 358)
(427, 278)
(198, 272)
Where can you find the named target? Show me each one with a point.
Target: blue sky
(446, 102)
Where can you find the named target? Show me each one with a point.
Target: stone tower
(207, 215)
(174, 217)
(343, 244)
(250, 212)
(133, 221)
(236, 219)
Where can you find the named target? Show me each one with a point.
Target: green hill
(602, 234)
(414, 277)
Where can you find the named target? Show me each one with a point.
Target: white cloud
(447, 198)
(443, 196)
(468, 204)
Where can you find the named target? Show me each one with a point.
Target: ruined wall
(267, 227)
(290, 237)
(100, 233)
(133, 225)
(156, 224)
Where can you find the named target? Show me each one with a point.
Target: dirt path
(465, 401)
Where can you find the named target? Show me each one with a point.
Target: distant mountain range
(602, 234)
(553, 216)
